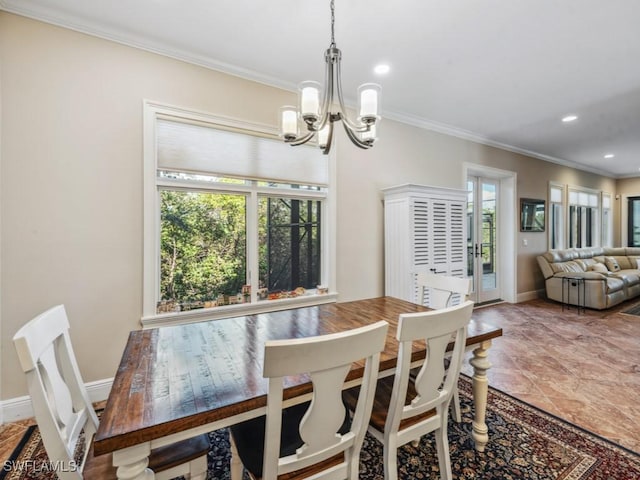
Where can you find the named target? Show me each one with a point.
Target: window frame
(151, 222)
(606, 227)
(556, 237)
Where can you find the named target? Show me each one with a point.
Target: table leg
(480, 364)
(236, 463)
(132, 463)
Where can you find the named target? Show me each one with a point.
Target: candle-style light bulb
(288, 122)
(368, 102)
(309, 100)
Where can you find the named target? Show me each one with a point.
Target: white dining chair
(65, 415)
(316, 439)
(441, 291)
(404, 409)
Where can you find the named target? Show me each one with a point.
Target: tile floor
(584, 367)
(581, 367)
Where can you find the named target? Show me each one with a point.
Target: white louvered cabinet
(424, 231)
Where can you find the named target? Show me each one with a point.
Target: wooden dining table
(177, 382)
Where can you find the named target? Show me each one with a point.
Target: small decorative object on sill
(246, 293)
(322, 290)
(167, 306)
(262, 293)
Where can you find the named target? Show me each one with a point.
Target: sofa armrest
(547, 272)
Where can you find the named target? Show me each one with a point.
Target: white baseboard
(532, 295)
(19, 408)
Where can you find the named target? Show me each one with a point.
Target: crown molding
(21, 7)
(483, 140)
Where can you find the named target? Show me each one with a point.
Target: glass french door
(482, 245)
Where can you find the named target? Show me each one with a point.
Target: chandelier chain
(333, 20)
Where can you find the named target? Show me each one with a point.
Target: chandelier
(318, 116)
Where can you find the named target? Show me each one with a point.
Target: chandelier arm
(325, 114)
(301, 140)
(345, 118)
(354, 138)
(327, 147)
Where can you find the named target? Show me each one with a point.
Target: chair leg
(236, 463)
(354, 465)
(390, 457)
(442, 447)
(198, 468)
(455, 405)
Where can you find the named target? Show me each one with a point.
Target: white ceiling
(503, 72)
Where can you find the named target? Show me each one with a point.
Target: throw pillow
(611, 264)
(598, 267)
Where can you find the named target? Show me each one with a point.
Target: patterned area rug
(525, 444)
(634, 310)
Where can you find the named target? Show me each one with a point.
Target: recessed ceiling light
(381, 69)
(609, 155)
(569, 118)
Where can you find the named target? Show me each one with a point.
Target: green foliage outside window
(202, 246)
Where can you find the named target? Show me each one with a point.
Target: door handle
(477, 251)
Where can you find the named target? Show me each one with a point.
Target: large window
(584, 219)
(235, 220)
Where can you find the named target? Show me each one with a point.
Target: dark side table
(573, 282)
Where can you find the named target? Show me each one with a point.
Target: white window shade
(556, 195)
(573, 197)
(194, 148)
(583, 199)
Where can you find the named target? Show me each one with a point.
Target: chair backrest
(327, 359)
(434, 384)
(60, 401)
(438, 291)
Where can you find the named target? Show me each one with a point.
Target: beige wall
(71, 182)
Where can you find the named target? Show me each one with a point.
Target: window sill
(227, 311)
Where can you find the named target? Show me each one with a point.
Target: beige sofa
(611, 275)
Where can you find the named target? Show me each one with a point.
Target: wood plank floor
(581, 367)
